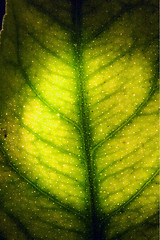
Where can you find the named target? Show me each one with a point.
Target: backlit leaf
(78, 128)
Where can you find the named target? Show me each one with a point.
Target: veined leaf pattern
(79, 99)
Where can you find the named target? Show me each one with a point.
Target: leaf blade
(76, 112)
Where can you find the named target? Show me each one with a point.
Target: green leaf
(78, 128)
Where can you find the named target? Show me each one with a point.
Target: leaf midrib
(84, 118)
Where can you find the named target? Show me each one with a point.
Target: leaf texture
(78, 128)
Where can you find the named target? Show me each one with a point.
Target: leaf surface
(78, 133)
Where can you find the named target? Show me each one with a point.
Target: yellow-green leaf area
(79, 120)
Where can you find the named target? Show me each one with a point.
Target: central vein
(93, 222)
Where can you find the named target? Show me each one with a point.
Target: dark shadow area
(2, 11)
